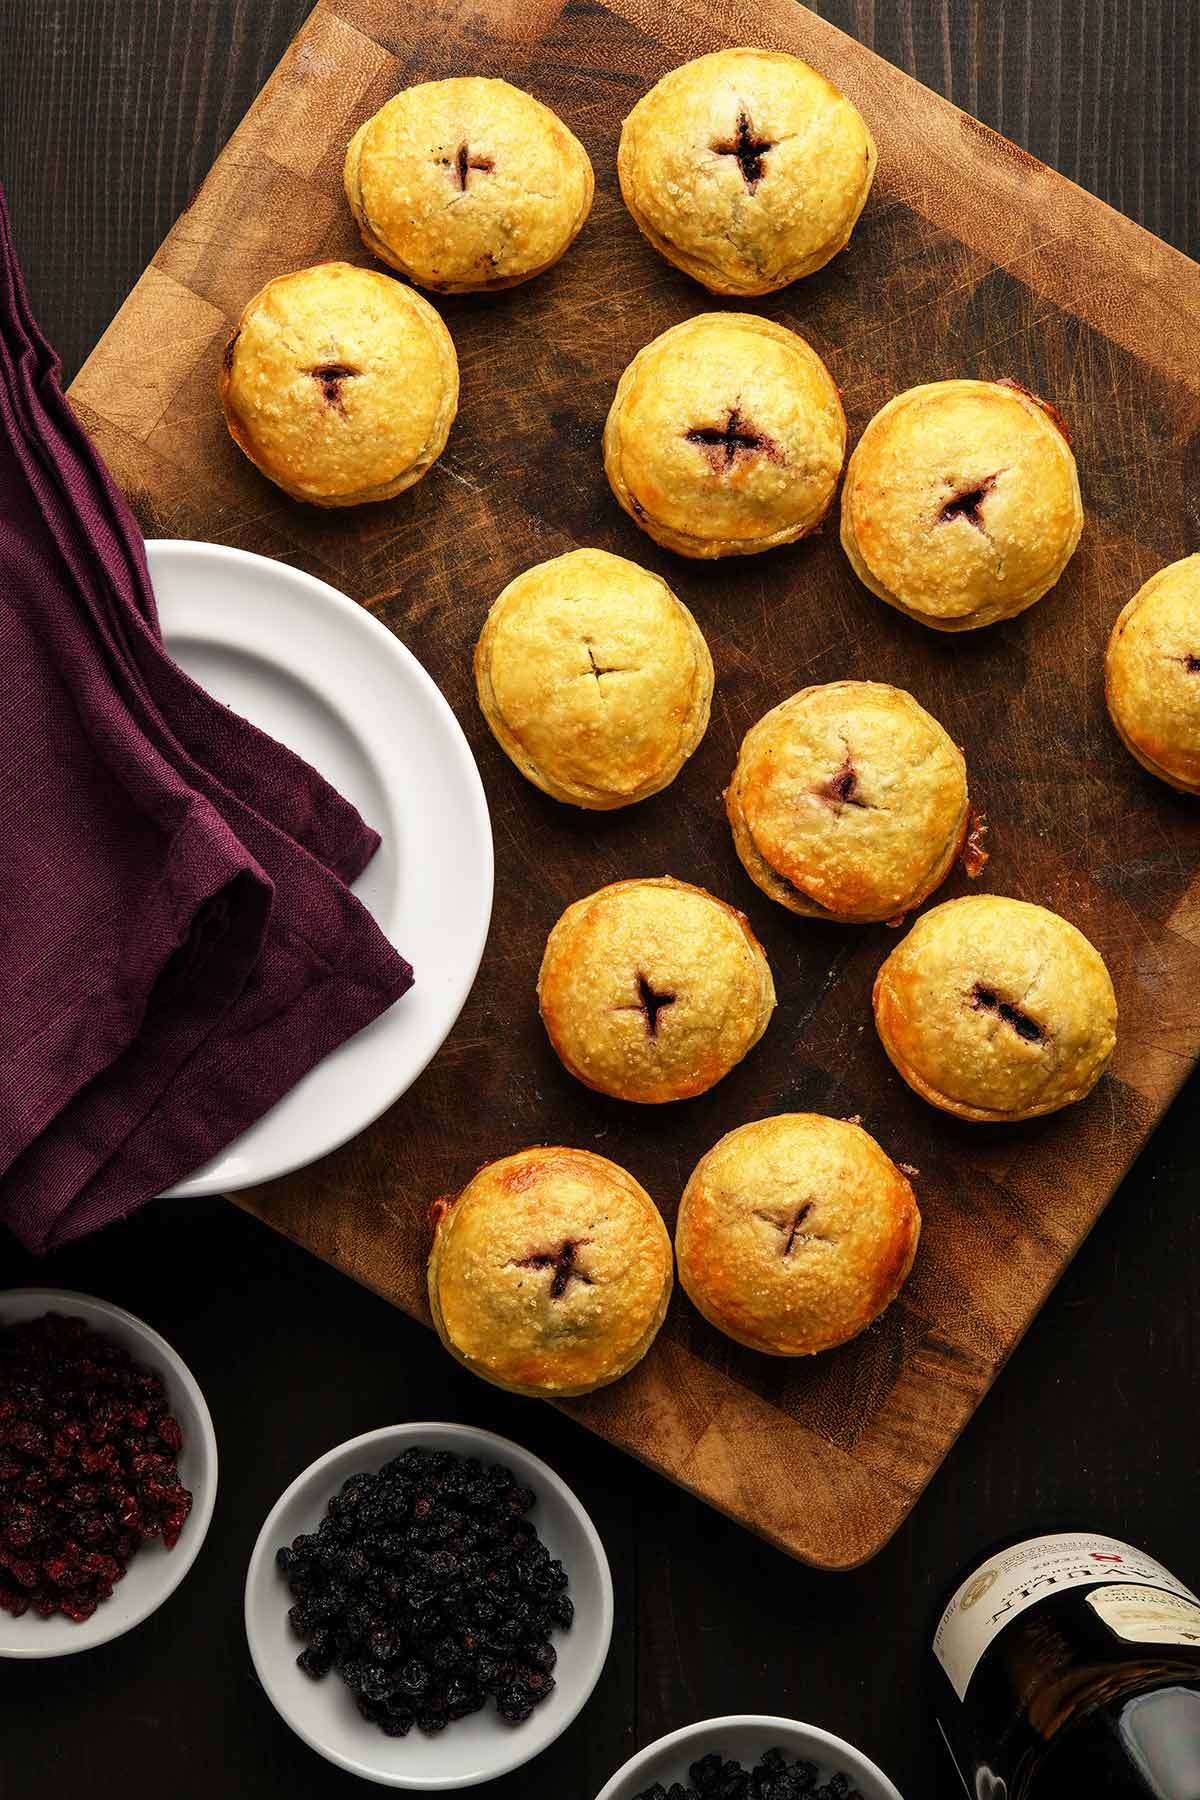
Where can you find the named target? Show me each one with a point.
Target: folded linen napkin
(178, 945)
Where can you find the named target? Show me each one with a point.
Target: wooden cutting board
(971, 259)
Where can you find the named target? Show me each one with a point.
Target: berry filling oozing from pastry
(330, 377)
(984, 999)
(748, 149)
(650, 1004)
(563, 1262)
(722, 445)
(841, 790)
(463, 161)
(967, 504)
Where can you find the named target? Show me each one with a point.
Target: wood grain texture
(116, 108)
(972, 258)
(1089, 1423)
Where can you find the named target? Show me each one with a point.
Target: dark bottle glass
(1069, 1666)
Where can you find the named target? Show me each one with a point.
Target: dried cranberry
(87, 1466)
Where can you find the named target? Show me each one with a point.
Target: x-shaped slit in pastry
(562, 1261)
(747, 148)
(330, 376)
(790, 1227)
(599, 669)
(966, 504)
(1191, 663)
(463, 162)
(841, 790)
(985, 999)
(724, 444)
(650, 1003)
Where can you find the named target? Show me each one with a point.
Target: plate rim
(197, 1185)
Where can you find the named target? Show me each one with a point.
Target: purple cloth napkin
(178, 945)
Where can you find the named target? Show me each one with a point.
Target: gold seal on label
(982, 1584)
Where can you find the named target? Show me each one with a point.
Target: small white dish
(154, 1572)
(744, 1737)
(305, 663)
(481, 1746)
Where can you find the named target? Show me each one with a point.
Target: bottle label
(1018, 1578)
(1142, 1616)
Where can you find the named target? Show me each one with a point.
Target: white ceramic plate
(744, 1737)
(480, 1746)
(318, 672)
(154, 1572)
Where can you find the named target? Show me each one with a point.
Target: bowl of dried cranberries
(108, 1472)
(428, 1606)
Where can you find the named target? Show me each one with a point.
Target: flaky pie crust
(340, 384)
(961, 503)
(795, 1232)
(726, 436)
(467, 184)
(550, 1273)
(1152, 675)
(848, 801)
(746, 168)
(594, 678)
(995, 1009)
(652, 990)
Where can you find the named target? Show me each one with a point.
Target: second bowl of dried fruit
(750, 1757)
(428, 1606)
(108, 1472)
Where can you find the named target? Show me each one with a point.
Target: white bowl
(473, 1749)
(744, 1737)
(154, 1572)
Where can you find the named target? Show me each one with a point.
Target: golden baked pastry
(550, 1273)
(467, 184)
(746, 168)
(594, 678)
(995, 1009)
(1152, 674)
(795, 1232)
(961, 504)
(849, 802)
(652, 990)
(340, 384)
(726, 436)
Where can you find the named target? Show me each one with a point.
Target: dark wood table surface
(113, 111)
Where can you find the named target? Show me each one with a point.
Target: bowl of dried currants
(428, 1606)
(108, 1472)
(748, 1757)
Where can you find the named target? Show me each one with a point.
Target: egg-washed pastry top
(993, 1008)
(550, 1273)
(340, 384)
(961, 504)
(467, 184)
(651, 990)
(746, 168)
(594, 678)
(849, 801)
(726, 436)
(795, 1232)
(1152, 674)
